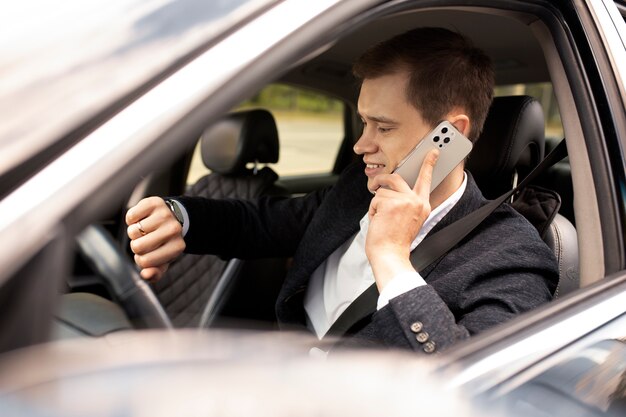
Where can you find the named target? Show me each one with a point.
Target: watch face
(175, 210)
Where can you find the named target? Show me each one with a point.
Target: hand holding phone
(453, 148)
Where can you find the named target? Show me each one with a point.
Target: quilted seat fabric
(189, 282)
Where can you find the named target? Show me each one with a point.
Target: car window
(544, 93)
(588, 378)
(590, 382)
(310, 130)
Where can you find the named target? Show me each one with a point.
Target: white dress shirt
(339, 280)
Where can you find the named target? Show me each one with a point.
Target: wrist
(386, 266)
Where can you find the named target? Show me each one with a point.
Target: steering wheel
(133, 294)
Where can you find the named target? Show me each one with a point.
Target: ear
(460, 121)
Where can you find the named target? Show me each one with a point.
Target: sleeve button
(421, 337)
(417, 327)
(429, 347)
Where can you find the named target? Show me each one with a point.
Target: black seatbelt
(437, 245)
(361, 307)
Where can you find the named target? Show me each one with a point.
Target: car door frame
(513, 353)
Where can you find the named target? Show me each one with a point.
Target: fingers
(386, 190)
(393, 193)
(162, 255)
(389, 182)
(156, 236)
(154, 274)
(160, 225)
(425, 177)
(149, 214)
(394, 203)
(143, 209)
(154, 239)
(136, 230)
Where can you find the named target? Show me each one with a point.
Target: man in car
(362, 230)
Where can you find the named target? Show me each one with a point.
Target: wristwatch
(173, 206)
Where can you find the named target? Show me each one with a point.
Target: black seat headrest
(238, 138)
(512, 141)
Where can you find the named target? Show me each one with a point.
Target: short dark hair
(445, 71)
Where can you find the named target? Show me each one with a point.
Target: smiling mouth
(374, 166)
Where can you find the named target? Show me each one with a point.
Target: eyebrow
(379, 119)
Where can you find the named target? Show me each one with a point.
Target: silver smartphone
(453, 148)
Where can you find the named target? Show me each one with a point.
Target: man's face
(392, 126)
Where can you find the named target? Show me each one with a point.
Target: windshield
(61, 63)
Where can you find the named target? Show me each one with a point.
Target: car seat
(510, 146)
(559, 178)
(194, 288)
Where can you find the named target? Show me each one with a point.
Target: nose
(365, 144)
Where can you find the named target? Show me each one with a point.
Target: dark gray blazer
(501, 269)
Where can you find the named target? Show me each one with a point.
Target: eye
(382, 129)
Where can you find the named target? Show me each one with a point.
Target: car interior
(241, 156)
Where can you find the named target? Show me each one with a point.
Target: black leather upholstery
(512, 141)
(188, 284)
(227, 146)
(562, 238)
(559, 179)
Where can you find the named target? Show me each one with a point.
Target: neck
(447, 187)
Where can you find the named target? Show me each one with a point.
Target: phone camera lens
(440, 145)
(446, 140)
(444, 130)
(436, 139)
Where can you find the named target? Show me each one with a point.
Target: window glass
(310, 130)
(544, 93)
(587, 377)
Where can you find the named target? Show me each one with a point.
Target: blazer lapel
(471, 199)
(336, 221)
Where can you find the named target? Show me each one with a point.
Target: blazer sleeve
(265, 227)
(496, 275)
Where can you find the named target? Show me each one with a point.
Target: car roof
(515, 52)
(83, 61)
